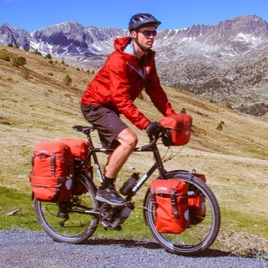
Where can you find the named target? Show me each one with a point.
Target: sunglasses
(148, 33)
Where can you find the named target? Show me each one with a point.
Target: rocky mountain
(226, 63)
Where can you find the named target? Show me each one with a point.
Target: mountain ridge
(226, 63)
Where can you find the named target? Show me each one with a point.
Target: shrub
(48, 56)
(5, 57)
(183, 111)
(19, 61)
(220, 126)
(67, 80)
(37, 52)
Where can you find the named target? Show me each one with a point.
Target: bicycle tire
(78, 227)
(196, 238)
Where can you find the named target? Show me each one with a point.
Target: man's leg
(106, 192)
(128, 141)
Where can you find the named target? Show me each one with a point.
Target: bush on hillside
(220, 126)
(183, 111)
(18, 61)
(5, 58)
(67, 80)
(37, 52)
(48, 56)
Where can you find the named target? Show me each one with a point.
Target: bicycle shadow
(130, 243)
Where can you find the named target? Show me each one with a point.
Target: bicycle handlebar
(147, 146)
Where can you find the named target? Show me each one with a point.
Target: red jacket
(119, 82)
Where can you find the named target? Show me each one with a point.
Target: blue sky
(33, 15)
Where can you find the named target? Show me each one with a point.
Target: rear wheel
(69, 221)
(198, 236)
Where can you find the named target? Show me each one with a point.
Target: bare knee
(128, 139)
(132, 141)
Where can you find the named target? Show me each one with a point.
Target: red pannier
(51, 174)
(80, 150)
(178, 129)
(171, 203)
(79, 147)
(196, 202)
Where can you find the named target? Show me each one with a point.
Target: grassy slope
(42, 108)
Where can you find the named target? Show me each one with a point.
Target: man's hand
(154, 128)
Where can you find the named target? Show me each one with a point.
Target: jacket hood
(121, 43)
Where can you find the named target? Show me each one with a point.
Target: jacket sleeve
(120, 88)
(157, 94)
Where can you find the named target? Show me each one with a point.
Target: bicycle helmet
(142, 19)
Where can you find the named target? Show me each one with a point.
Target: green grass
(134, 227)
(12, 200)
(245, 221)
(258, 152)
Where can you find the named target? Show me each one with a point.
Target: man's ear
(133, 34)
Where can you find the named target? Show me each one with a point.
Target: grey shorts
(106, 121)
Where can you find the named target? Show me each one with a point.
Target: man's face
(145, 36)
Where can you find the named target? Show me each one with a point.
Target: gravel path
(20, 248)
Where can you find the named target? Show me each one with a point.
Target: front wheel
(199, 235)
(69, 221)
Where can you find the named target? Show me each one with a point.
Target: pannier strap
(174, 203)
(53, 164)
(32, 163)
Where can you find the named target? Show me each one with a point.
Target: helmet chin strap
(139, 45)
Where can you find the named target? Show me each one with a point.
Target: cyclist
(127, 70)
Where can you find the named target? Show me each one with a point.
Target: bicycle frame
(151, 147)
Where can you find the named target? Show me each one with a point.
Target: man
(129, 69)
